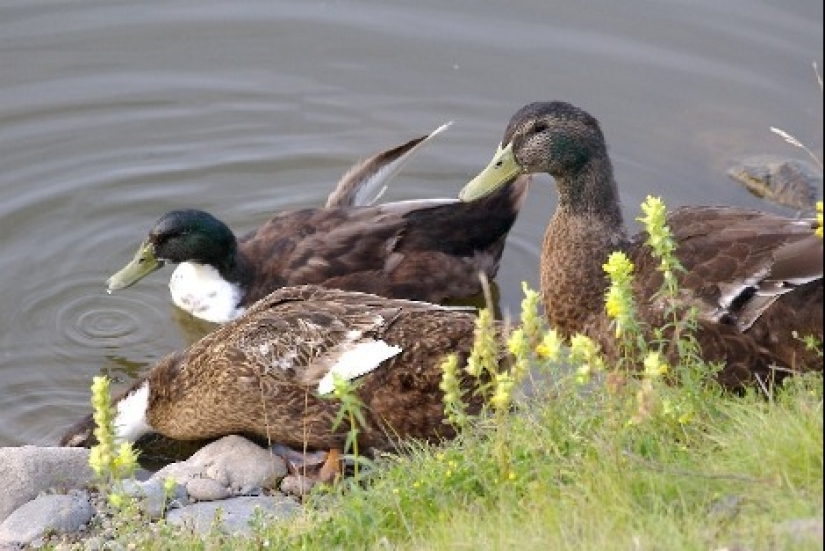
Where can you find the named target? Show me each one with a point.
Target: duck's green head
(552, 137)
(179, 236)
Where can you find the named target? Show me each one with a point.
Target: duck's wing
(305, 336)
(366, 181)
(429, 249)
(740, 261)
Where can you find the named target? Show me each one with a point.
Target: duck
(754, 278)
(429, 250)
(270, 373)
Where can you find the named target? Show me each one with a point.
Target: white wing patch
(130, 415)
(362, 358)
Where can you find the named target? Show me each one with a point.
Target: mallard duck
(430, 250)
(269, 374)
(755, 278)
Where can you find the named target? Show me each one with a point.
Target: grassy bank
(569, 471)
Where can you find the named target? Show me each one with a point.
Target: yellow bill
(144, 263)
(502, 170)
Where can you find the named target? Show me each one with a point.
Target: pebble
(296, 485)
(58, 513)
(27, 471)
(232, 475)
(206, 489)
(234, 513)
(152, 496)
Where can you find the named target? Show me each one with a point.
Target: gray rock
(62, 514)
(790, 182)
(234, 514)
(26, 471)
(296, 485)
(206, 489)
(152, 495)
(234, 462)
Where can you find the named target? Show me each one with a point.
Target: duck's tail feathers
(366, 181)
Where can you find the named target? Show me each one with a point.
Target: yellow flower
(531, 322)
(484, 355)
(618, 266)
(585, 354)
(550, 346)
(655, 365)
(504, 383)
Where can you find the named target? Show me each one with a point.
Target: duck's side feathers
(741, 261)
(366, 181)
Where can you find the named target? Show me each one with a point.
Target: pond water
(112, 113)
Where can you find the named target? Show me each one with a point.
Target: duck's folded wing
(305, 336)
(740, 261)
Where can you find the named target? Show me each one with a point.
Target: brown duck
(268, 374)
(430, 250)
(755, 278)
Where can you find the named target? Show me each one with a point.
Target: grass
(595, 459)
(580, 477)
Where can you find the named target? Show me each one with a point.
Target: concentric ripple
(115, 321)
(84, 315)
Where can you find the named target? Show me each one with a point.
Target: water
(113, 113)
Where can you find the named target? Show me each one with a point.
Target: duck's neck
(586, 227)
(204, 292)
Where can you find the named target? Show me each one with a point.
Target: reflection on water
(113, 113)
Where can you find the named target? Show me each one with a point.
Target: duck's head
(551, 137)
(179, 236)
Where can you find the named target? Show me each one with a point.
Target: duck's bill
(144, 263)
(502, 170)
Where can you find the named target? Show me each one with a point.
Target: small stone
(152, 496)
(61, 514)
(206, 489)
(94, 543)
(297, 485)
(234, 513)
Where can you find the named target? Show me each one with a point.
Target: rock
(235, 513)
(206, 489)
(152, 496)
(297, 485)
(789, 182)
(234, 462)
(26, 471)
(56, 513)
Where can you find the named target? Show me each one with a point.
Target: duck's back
(429, 250)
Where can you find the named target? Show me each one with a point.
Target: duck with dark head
(428, 249)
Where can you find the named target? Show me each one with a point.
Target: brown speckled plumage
(257, 375)
(755, 278)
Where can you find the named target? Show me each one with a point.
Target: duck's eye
(540, 127)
